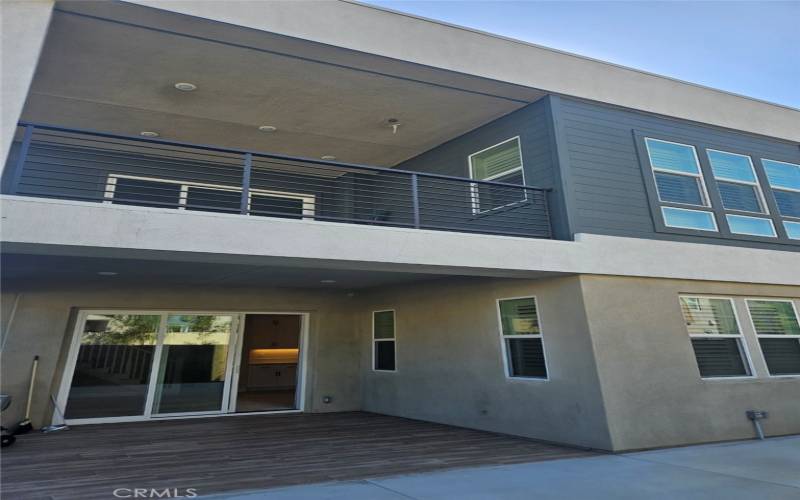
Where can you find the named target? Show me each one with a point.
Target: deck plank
(216, 455)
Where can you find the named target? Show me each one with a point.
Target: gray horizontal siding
(605, 187)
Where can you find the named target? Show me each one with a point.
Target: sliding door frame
(228, 404)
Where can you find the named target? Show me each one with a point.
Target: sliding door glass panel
(146, 193)
(276, 206)
(112, 371)
(213, 200)
(194, 359)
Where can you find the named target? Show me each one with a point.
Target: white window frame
(308, 200)
(771, 336)
(507, 368)
(771, 225)
(393, 339)
(713, 219)
(475, 188)
(757, 185)
(790, 218)
(698, 175)
(744, 350)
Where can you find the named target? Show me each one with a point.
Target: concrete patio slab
(766, 470)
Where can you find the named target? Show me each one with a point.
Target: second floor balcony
(93, 166)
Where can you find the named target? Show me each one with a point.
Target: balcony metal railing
(57, 162)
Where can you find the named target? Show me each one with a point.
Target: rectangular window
(383, 340)
(784, 179)
(715, 336)
(689, 219)
(792, 229)
(775, 323)
(500, 163)
(679, 181)
(522, 338)
(754, 226)
(737, 182)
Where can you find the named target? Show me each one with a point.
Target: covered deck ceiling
(113, 67)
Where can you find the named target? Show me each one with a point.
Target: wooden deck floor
(248, 452)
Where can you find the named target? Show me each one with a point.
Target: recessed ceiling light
(107, 273)
(148, 133)
(185, 86)
(267, 128)
(327, 281)
(328, 157)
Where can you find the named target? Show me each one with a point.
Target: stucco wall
(450, 366)
(651, 385)
(44, 323)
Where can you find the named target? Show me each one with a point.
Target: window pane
(782, 175)
(732, 167)
(519, 317)
(679, 188)
(490, 197)
(526, 357)
(675, 157)
(788, 202)
(276, 206)
(792, 229)
(750, 225)
(719, 357)
(194, 361)
(112, 371)
(383, 324)
(782, 355)
(213, 200)
(772, 317)
(689, 219)
(496, 160)
(709, 316)
(146, 193)
(384, 355)
(739, 197)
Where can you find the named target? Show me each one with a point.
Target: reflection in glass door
(193, 369)
(112, 369)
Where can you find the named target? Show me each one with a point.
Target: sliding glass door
(126, 365)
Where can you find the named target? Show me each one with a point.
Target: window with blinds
(383, 340)
(499, 163)
(715, 336)
(740, 191)
(522, 338)
(784, 179)
(679, 181)
(776, 325)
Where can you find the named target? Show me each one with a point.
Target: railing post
(23, 155)
(248, 168)
(415, 198)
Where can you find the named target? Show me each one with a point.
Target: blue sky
(750, 48)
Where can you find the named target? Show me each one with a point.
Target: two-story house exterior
(216, 208)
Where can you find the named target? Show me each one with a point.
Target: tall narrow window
(715, 336)
(522, 338)
(775, 323)
(679, 181)
(383, 340)
(500, 163)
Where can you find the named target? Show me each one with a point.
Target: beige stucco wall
(44, 323)
(450, 367)
(651, 385)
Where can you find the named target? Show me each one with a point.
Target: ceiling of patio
(115, 71)
(31, 272)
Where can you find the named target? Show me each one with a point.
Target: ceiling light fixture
(394, 123)
(267, 128)
(185, 86)
(327, 281)
(107, 273)
(148, 133)
(327, 157)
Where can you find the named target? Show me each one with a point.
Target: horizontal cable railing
(57, 162)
